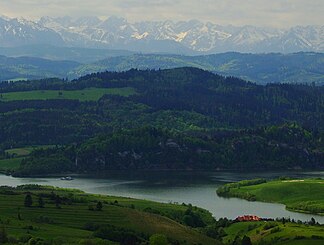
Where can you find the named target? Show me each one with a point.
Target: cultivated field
(89, 94)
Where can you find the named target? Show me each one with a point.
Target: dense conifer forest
(183, 118)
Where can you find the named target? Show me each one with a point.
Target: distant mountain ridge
(259, 68)
(22, 68)
(45, 51)
(184, 37)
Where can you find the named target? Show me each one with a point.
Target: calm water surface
(189, 187)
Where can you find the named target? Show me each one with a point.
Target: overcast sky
(276, 13)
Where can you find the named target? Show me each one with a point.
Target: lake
(197, 188)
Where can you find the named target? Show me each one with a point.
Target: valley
(61, 225)
(161, 122)
(173, 121)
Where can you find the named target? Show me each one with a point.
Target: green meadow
(88, 94)
(69, 216)
(300, 195)
(16, 155)
(25, 151)
(74, 219)
(275, 233)
(10, 164)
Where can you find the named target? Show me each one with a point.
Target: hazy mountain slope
(262, 68)
(82, 55)
(259, 68)
(33, 68)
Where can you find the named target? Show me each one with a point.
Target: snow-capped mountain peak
(19, 31)
(116, 32)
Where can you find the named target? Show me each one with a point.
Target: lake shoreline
(293, 193)
(140, 171)
(197, 188)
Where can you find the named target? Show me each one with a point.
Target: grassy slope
(298, 195)
(89, 94)
(10, 164)
(280, 234)
(68, 222)
(17, 155)
(25, 151)
(302, 242)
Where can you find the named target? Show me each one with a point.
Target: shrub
(299, 237)
(99, 206)
(28, 202)
(116, 234)
(269, 225)
(25, 238)
(44, 219)
(158, 239)
(275, 229)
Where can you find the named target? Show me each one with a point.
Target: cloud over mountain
(279, 13)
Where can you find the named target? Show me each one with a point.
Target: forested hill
(181, 99)
(228, 101)
(15, 68)
(271, 148)
(182, 102)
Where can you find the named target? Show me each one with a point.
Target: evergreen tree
(57, 201)
(3, 235)
(41, 202)
(312, 221)
(99, 206)
(28, 201)
(18, 214)
(246, 241)
(236, 241)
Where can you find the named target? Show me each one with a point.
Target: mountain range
(183, 37)
(259, 68)
(299, 67)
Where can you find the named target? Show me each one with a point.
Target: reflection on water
(189, 187)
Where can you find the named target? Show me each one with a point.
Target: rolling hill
(258, 68)
(196, 119)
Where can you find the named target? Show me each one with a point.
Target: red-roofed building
(248, 218)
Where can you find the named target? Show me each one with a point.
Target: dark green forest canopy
(283, 147)
(223, 101)
(182, 99)
(187, 106)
